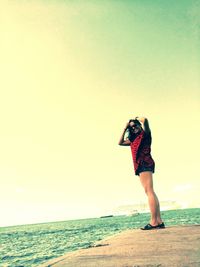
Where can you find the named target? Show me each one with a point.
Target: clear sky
(72, 74)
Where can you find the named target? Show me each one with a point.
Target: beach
(174, 246)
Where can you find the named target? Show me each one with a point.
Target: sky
(72, 74)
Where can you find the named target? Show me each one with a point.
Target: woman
(139, 139)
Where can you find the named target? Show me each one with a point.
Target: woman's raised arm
(145, 123)
(123, 142)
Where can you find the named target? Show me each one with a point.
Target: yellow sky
(71, 76)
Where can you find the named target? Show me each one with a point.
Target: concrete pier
(177, 246)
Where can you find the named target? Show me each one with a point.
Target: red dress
(141, 152)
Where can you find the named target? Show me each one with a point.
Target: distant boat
(107, 216)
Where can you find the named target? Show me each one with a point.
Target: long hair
(131, 134)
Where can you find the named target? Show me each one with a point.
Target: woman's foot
(148, 227)
(156, 222)
(161, 225)
(152, 227)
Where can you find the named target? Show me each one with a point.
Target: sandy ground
(173, 246)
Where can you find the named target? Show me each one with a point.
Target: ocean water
(31, 245)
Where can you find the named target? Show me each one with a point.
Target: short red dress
(141, 153)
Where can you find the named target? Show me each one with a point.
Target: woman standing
(139, 139)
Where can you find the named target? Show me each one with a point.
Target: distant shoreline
(90, 218)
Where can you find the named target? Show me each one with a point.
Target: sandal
(161, 225)
(151, 227)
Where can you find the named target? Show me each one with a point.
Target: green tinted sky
(73, 73)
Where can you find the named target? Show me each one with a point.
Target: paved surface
(177, 246)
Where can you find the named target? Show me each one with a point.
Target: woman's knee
(149, 190)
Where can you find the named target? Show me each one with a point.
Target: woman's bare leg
(147, 182)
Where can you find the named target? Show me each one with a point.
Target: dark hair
(136, 122)
(131, 134)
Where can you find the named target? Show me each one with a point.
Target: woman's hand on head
(140, 119)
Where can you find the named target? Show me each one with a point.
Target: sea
(33, 244)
